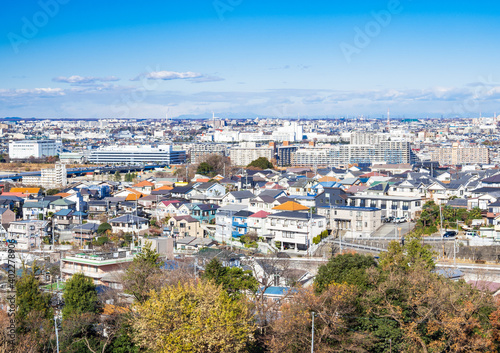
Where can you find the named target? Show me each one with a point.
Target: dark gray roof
(87, 227)
(243, 194)
(492, 179)
(205, 186)
(271, 193)
(457, 202)
(243, 213)
(128, 218)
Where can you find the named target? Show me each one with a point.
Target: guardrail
(357, 246)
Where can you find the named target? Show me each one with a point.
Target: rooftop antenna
(166, 116)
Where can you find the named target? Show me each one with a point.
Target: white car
(470, 235)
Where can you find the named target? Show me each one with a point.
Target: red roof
(260, 214)
(368, 175)
(166, 203)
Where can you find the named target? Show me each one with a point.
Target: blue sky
(81, 59)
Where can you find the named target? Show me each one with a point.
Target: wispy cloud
(96, 101)
(194, 77)
(84, 80)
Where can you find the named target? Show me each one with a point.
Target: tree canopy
(103, 227)
(29, 298)
(192, 317)
(205, 169)
(234, 280)
(261, 163)
(80, 296)
(346, 268)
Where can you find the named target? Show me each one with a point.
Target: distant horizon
(207, 118)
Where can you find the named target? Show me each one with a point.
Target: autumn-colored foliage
(192, 317)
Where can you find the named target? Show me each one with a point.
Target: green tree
(117, 176)
(80, 296)
(205, 169)
(475, 213)
(261, 163)
(52, 191)
(29, 298)
(234, 280)
(412, 253)
(103, 227)
(193, 317)
(344, 269)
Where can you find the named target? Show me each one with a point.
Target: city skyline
(64, 59)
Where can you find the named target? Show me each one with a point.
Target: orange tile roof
(327, 179)
(133, 191)
(132, 197)
(63, 194)
(291, 206)
(110, 309)
(202, 180)
(26, 190)
(143, 183)
(165, 187)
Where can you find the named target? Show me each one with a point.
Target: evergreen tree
(29, 298)
(80, 296)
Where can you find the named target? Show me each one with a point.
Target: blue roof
(79, 214)
(451, 273)
(353, 208)
(64, 212)
(330, 184)
(170, 265)
(301, 197)
(279, 290)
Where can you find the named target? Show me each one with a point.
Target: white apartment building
(295, 230)
(25, 149)
(57, 176)
(459, 154)
(28, 233)
(359, 221)
(49, 178)
(247, 152)
(200, 151)
(137, 155)
(390, 152)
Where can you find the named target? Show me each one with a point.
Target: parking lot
(394, 230)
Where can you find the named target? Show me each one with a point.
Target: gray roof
(128, 218)
(243, 194)
(296, 215)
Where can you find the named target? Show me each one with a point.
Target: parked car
(449, 234)
(399, 220)
(388, 219)
(471, 234)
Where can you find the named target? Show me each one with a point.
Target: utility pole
(312, 333)
(57, 334)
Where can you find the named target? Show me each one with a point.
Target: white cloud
(81, 80)
(194, 77)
